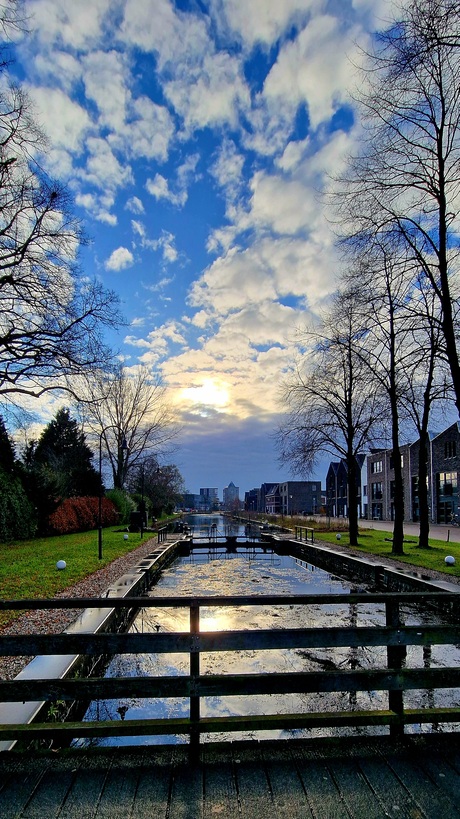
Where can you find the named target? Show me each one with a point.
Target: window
(447, 483)
(376, 490)
(450, 449)
(376, 467)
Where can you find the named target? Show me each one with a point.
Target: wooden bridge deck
(365, 777)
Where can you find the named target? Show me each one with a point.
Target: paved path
(437, 530)
(358, 778)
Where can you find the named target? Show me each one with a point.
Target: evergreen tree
(17, 514)
(64, 459)
(7, 453)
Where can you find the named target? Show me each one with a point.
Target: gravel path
(56, 620)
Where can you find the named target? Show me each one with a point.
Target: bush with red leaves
(81, 515)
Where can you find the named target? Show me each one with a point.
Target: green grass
(28, 568)
(375, 542)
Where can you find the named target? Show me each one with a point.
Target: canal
(252, 568)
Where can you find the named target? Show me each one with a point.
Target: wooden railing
(305, 534)
(393, 677)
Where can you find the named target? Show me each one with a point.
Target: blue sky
(196, 139)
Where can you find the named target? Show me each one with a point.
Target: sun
(210, 393)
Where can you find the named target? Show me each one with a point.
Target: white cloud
(174, 36)
(282, 205)
(211, 94)
(119, 259)
(103, 169)
(227, 168)
(106, 85)
(265, 21)
(67, 123)
(158, 187)
(149, 129)
(320, 50)
(135, 205)
(57, 66)
(58, 21)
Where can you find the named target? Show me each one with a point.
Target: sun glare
(210, 394)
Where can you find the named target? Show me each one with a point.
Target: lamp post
(142, 499)
(124, 447)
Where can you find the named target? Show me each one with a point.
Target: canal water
(254, 568)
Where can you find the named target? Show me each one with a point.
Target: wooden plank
(320, 787)
(186, 797)
(186, 601)
(261, 639)
(430, 800)
(119, 790)
(286, 785)
(155, 782)
(395, 799)
(67, 731)
(19, 789)
(229, 684)
(85, 792)
(354, 790)
(51, 790)
(220, 793)
(256, 798)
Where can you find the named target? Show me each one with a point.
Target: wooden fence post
(396, 657)
(194, 674)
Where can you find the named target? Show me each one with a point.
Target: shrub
(123, 502)
(81, 515)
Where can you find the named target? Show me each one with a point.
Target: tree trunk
(352, 505)
(423, 493)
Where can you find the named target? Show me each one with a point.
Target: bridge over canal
(396, 775)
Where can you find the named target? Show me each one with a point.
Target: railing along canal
(304, 534)
(394, 677)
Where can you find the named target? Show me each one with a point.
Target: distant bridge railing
(389, 672)
(305, 534)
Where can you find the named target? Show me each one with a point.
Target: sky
(197, 139)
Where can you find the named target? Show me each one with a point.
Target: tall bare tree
(331, 405)
(129, 411)
(51, 317)
(383, 290)
(405, 179)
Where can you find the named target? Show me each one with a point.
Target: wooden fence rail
(394, 678)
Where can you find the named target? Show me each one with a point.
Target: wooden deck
(415, 777)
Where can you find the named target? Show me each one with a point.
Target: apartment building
(443, 466)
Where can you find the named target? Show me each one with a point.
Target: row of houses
(374, 486)
(375, 490)
(286, 498)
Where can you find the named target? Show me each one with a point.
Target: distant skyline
(196, 138)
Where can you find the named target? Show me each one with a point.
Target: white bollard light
(449, 560)
(338, 537)
(125, 537)
(61, 564)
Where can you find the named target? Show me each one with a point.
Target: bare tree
(129, 412)
(331, 405)
(163, 486)
(426, 383)
(405, 180)
(383, 289)
(51, 317)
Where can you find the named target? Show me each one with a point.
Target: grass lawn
(379, 543)
(28, 567)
